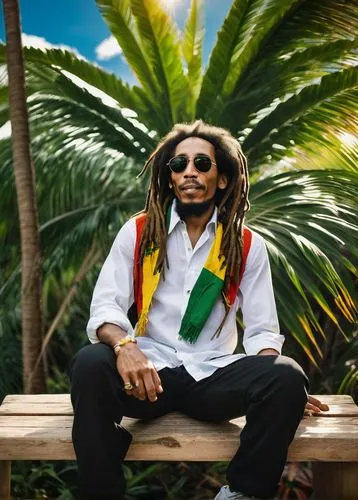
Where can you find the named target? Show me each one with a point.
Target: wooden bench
(38, 427)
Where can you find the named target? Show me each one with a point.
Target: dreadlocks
(232, 202)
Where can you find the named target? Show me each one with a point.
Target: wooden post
(5, 479)
(335, 480)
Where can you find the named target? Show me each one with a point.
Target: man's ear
(223, 181)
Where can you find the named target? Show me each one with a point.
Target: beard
(185, 210)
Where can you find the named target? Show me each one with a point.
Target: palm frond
(311, 30)
(219, 62)
(60, 85)
(4, 104)
(315, 23)
(323, 137)
(192, 48)
(260, 21)
(83, 124)
(90, 73)
(297, 105)
(118, 18)
(308, 220)
(286, 73)
(160, 42)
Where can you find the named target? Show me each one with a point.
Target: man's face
(192, 186)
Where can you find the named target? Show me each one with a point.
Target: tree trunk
(25, 188)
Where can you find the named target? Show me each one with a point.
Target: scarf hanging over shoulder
(205, 292)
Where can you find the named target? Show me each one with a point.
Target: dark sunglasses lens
(202, 163)
(178, 163)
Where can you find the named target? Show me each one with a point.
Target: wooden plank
(175, 437)
(5, 480)
(308, 425)
(60, 404)
(37, 404)
(333, 481)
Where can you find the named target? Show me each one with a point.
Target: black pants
(270, 390)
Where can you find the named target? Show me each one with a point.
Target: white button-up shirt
(113, 296)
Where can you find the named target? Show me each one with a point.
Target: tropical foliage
(282, 77)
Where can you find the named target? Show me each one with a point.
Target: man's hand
(315, 406)
(135, 368)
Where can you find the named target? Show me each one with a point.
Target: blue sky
(78, 24)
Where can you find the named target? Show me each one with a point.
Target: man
(187, 264)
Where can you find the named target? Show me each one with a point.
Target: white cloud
(108, 49)
(40, 43)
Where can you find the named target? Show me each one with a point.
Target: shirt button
(188, 291)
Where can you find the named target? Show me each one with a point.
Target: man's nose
(190, 170)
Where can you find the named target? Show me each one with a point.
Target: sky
(77, 24)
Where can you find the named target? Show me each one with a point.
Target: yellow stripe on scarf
(150, 283)
(213, 263)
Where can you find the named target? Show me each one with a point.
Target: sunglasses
(179, 163)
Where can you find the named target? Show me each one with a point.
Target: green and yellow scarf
(204, 294)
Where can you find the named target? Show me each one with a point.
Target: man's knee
(90, 361)
(289, 377)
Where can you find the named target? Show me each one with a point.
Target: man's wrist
(111, 334)
(122, 343)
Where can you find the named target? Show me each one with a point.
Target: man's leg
(99, 403)
(272, 392)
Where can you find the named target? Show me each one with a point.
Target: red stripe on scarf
(137, 267)
(234, 287)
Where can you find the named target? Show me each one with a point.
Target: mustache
(191, 184)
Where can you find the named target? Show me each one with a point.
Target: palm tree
(27, 209)
(281, 77)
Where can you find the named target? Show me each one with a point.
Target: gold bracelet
(122, 342)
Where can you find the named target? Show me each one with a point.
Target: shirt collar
(175, 219)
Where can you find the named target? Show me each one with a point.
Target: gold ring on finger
(128, 386)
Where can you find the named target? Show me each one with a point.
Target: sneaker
(226, 494)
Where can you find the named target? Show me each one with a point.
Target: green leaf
(298, 104)
(90, 73)
(84, 123)
(60, 85)
(307, 218)
(4, 94)
(261, 19)
(286, 73)
(192, 47)
(119, 21)
(161, 45)
(4, 97)
(219, 62)
(316, 139)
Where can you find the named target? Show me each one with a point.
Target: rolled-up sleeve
(257, 301)
(113, 293)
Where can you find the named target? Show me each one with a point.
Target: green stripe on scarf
(205, 293)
